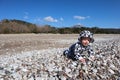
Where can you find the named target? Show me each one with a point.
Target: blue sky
(63, 13)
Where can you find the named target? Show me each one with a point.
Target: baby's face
(85, 41)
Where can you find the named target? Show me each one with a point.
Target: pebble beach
(40, 57)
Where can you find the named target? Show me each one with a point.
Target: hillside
(18, 26)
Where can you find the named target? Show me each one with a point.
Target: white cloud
(78, 24)
(88, 17)
(61, 19)
(80, 17)
(37, 20)
(26, 13)
(26, 17)
(50, 19)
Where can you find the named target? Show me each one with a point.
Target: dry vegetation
(10, 43)
(27, 42)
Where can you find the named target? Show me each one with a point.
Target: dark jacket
(77, 51)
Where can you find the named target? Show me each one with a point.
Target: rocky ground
(39, 57)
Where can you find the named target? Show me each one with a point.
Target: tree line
(18, 26)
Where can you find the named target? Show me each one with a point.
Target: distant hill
(78, 26)
(19, 26)
(16, 26)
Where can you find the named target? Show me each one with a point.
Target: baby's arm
(79, 57)
(77, 52)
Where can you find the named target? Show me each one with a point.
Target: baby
(78, 49)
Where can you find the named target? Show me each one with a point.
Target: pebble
(50, 64)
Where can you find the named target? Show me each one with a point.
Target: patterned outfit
(77, 50)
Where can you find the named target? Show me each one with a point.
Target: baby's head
(86, 37)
